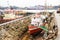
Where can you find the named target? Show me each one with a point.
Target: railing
(14, 29)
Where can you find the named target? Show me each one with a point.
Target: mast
(45, 5)
(8, 4)
(10, 7)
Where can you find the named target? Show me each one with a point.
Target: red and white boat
(33, 29)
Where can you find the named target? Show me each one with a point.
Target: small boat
(34, 29)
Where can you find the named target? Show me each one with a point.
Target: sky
(28, 3)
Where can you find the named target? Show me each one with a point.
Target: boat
(33, 29)
(9, 15)
(58, 11)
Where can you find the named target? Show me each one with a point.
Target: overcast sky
(27, 3)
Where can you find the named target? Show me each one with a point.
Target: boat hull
(33, 29)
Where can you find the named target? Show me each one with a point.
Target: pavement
(57, 17)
